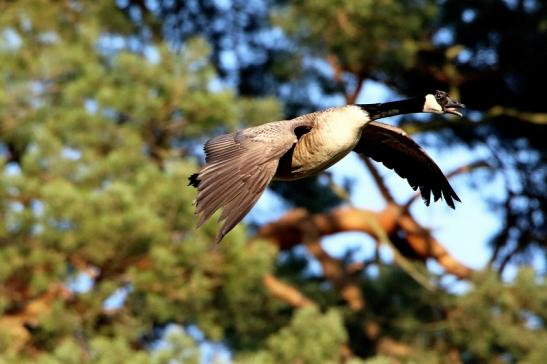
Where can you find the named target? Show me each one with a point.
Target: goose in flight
(240, 165)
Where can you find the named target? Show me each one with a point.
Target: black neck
(385, 109)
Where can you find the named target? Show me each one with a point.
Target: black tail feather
(193, 180)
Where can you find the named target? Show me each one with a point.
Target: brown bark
(388, 346)
(372, 330)
(425, 245)
(388, 197)
(292, 229)
(352, 98)
(15, 325)
(336, 273)
(338, 72)
(285, 292)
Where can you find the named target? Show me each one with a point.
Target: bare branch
(352, 97)
(531, 117)
(289, 231)
(286, 292)
(386, 194)
(333, 269)
(15, 325)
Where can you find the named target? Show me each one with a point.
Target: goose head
(440, 103)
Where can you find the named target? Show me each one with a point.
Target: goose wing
(396, 150)
(238, 168)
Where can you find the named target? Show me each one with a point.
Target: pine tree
(101, 122)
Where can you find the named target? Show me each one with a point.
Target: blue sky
(464, 232)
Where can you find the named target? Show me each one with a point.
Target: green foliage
(507, 318)
(364, 35)
(88, 127)
(98, 132)
(491, 320)
(310, 337)
(179, 347)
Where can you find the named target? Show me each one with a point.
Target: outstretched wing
(397, 151)
(238, 168)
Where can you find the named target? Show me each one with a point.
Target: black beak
(452, 107)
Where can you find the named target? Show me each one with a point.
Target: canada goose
(239, 165)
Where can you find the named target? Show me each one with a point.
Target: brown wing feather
(239, 167)
(396, 150)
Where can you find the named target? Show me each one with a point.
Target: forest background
(104, 107)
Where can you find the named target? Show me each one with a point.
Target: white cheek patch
(431, 105)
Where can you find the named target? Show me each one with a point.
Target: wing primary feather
(237, 208)
(238, 167)
(392, 147)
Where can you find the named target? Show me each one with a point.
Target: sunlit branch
(386, 194)
(352, 97)
(333, 269)
(531, 117)
(288, 231)
(286, 292)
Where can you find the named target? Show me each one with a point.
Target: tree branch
(386, 194)
(385, 344)
(16, 324)
(425, 245)
(352, 98)
(292, 228)
(531, 117)
(335, 272)
(285, 292)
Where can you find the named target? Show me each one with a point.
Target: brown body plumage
(240, 165)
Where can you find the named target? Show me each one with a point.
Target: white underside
(335, 135)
